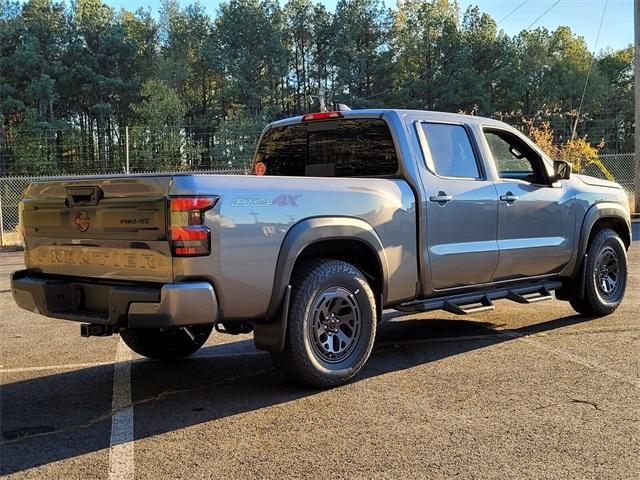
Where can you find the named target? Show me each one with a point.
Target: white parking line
(121, 454)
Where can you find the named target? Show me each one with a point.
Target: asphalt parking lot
(521, 392)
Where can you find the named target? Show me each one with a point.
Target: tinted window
(450, 150)
(365, 148)
(321, 152)
(283, 150)
(345, 148)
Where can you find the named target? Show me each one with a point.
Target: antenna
(323, 104)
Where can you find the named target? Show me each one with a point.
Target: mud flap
(575, 289)
(271, 336)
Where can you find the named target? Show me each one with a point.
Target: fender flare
(269, 334)
(597, 212)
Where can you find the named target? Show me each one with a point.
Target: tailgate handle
(83, 196)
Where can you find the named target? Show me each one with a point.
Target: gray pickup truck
(348, 214)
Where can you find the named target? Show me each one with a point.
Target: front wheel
(166, 343)
(331, 326)
(605, 275)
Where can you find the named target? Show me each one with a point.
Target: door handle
(509, 197)
(441, 198)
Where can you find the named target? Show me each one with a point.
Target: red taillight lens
(183, 204)
(188, 235)
(190, 241)
(310, 117)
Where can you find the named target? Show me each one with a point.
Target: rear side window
(343, 148)
(450, 153)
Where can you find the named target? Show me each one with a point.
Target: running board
(533, 297)
(476, 302)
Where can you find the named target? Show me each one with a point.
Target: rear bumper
(113, 303)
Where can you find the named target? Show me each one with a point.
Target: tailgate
(108, 227)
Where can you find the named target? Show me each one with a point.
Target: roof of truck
(427, 115)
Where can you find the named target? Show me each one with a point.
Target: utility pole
(636, 48)
(1, 222)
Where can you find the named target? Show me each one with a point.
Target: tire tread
(305, 281)
(591, 304)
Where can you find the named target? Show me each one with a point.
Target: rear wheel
(331, 326)
(605, 275)
(166, 343)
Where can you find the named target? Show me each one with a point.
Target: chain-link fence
(614, 134)
(71, 151)
(618, 167)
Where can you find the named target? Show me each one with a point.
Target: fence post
(126, 148)
(636, 27)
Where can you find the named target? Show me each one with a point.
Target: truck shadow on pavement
(64, 415)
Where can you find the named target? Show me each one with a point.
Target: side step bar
(476, 302)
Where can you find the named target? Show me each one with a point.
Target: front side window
(343, 148)
(450, 153)
(513, 158)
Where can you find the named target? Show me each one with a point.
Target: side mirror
(561, 170)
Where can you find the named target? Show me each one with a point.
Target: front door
(461, 208)
(536, 216)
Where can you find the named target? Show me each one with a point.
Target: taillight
(310, 117)
(187, 232)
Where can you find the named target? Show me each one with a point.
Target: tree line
(77, 73)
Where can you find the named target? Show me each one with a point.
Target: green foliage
(73, 74)
(249, 51)
(161, 105)
(235, 139)
(360, 56)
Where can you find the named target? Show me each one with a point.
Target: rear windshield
(340, 148)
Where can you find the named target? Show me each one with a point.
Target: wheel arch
(343, 238)
(599, 216)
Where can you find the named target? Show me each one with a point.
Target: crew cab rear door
(461, 207)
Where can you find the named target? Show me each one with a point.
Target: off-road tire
(595, 303)
(165, 344)
(301, 360)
